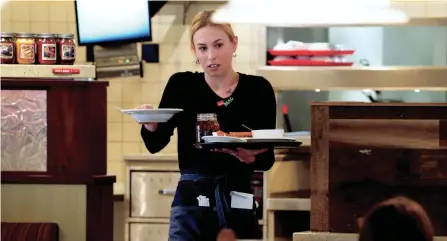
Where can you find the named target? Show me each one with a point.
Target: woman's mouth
(213, 66)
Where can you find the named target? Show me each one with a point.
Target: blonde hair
(203, 19)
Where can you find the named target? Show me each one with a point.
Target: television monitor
(101, 22)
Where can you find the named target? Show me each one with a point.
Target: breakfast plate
(226, 139)
(266, 139)
(220, 139)
(249, 145)
(151, 115)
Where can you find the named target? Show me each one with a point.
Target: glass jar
(7, 48)
(205, 126)
(25, 48)
(36, 58)
(66, 49)
(46, 48)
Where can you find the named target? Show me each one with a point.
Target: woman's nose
(211, 54)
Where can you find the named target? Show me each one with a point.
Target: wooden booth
(54, 140)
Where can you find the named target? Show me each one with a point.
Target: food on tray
(241, 134)
(221, 133)
(235, 134)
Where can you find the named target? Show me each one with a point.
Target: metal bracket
(186, 6)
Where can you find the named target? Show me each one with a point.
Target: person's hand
(149, 126)
(244, 155)
(226, 235)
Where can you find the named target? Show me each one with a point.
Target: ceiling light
(2, 2)
(306, 13)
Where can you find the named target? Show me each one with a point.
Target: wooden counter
(363, 153)
(54, 148)
(71, 117)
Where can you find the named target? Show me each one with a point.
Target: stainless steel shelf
(356, 78)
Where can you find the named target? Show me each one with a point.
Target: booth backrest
(30, 231)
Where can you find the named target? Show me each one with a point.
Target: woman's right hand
(149, 126)
(226, 235)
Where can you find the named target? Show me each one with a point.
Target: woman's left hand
(244, 155)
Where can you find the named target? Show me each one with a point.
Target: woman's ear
(235, 43)
(193, 52)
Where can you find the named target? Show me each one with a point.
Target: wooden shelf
(46, 71)
(289, 201)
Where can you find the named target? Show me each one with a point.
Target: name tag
(241, 200)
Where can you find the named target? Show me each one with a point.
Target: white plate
(297, 134)
(279, 139)
(152, 115)
(268, 133)
(215, 139)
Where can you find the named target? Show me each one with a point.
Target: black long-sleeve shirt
(253, 105)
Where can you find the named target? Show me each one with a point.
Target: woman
(237, 99)
(396, 219)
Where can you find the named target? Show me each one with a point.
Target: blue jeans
(195, 223)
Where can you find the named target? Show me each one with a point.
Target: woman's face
(214, 49)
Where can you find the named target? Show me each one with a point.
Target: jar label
(48, 52)
(7, 51)
(198, 134)
(27, 51)
(68, 51)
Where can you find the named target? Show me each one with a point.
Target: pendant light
(2, 3)
(309, 13)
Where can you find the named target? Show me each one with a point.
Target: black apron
(191, 222)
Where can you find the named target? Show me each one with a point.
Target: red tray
(310, 52)
(299, 62)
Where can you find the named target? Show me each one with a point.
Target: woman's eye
(219, 45)
(202, 48)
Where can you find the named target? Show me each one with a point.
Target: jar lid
(6, 35)
(25, 35)
(206, 116)
(46, 35)
(67, 35)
